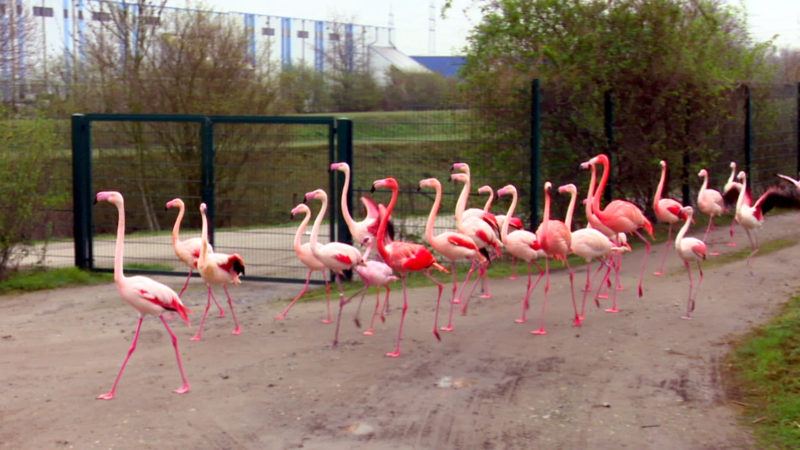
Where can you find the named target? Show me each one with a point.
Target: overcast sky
(412, 18)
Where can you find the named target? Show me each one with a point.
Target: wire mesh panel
(259, 169)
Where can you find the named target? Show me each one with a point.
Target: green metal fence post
(82, 191)
(207, 173)
(797, 130)
(536, 138)
(344, 153)
(608, 124)
(748, 131)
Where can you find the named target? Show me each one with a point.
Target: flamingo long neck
(348, 219)
(683, 230)
(489, 202)
(545, 218)
(176, 229)
(380, 235)
(590, 194)
(202, 258)
(732, 178)
(509, 214)
(742, 189)
(434, 210)
(318, 222)
(704, 186)
(461, 203)
(601, 187)
(119, 249)
(660, 187)
(573, 196)
(298, 235)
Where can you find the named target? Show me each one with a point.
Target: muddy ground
(642, 378)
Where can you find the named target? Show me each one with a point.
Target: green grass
(36, 280)
(763, 375)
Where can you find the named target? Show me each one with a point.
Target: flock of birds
(478, 239)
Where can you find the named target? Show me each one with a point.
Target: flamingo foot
(196, 337)
(612, 310)
(577, 321)
(641, 292)
(393, 354)
(237, 331)
(539, 331)
(731, 244)
(368, 333)
(280, 317)
(512, 277)
(486, 295)
(604, 296)
(714, 253)
(436, 333)
(456, 301)
(107, 396)
(464, 310)
(182, 390)
(447, 328)
(686, 317)
(620, 287)
(383, 319)
(521, 320)
(328, 320)
(221, 313)
(658, 273)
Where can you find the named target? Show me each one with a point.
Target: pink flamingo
(304, 254)
(483, 230)
(404, 257)
(217, 269)
(146, 295)
(187, 250)
(450, 244)
(710, 203)
(365, 227)
(621, 217)
(522, 244)
(690, 249)
(516, 224)
(554, 238)
(667, 211)
(730, 192)
(373, 273)
(588, 243)
(749, 217)
(336, 256)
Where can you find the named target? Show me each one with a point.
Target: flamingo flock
(479, 237)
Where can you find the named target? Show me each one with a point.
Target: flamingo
(336, 256)
(709, 202)
(368, 226)
(521, 244)
(588, 243)
(217, 269)
(144, 294)
(187, 250)
(483, 229)
(404, 257)
(516, 223)
(554, 238)
(373, 273)
(450, 244)
(690, 249)
(667, 211)
(621, 217)
(305, 256)
(730, 192)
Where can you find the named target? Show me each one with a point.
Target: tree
(671, 65)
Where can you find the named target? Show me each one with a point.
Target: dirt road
(642, 378)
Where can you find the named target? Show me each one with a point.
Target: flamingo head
(431, 183)
(388, 183)
(505, 190)
(741, 176)
(340, 166)
(601, 158)
(687, 211)
(302, 207)
(315, 194)
(548, 186)
(109, 196)
(733, 165)
(662, 163)
(203, 208)
(462, 177)
(174, 202)
(703, 173)
(460, 167)
(569, 188)
(485, 190)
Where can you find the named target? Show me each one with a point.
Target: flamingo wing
(461, 241)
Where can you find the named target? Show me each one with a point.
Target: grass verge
(40, 279)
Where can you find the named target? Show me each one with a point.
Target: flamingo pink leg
(396, 351)
(238, 329)
(513, 268)
(481, 276)
(541, 329)
(282, 315)
(669, 244)
(530, 287)
(732, 243)
(186, 285)
(705, 236)
(183, 389)
(644, 261)
(454, 299)
(199, 334)
(342, 302)
(377, 311)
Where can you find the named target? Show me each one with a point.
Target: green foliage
(672, 67)
(765, 378)
(28, 189)
(409, 90)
